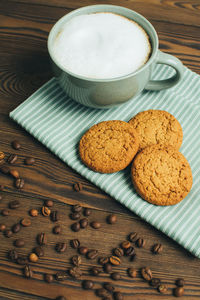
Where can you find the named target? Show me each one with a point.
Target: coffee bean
(146, 274)
(12, 159)
(13, 255)
(154, 282)
(95, 271)
(132, 272)
(55, 216)
(75, 227)
(118, 296)
(19, 183)
(75, 243)
(129, 252)
(2, 227)
(75, 272)
(26, 222)
(42, 238)
(118, 252)
(48, 278)
(83, 222)
(8, 233)
(33, 212)
(48, 203)
(76, 260)
(115, 276)
(83, 250)
(92, 254)
(180, 282)
(45, 211)
(61, 247)
(5, 169)
(14, 173)
(95, 225)
(107, 268)
(111, 219)
(140, 243)
(76, 208)
(132, 237)
(5, 212)
(2, 187)
(109, 287)
(16, 145)
(102, 292)
(115, 260)
(33, 257)
(61, 275)
(157, 248)
(162, 288)
(2, 155)
(87, 212)
(78, 187)
(125, 245)
(57, 229)
(39, 251)
(60, 298)
(75, 216)
(29, 161)
(14, 204)
(28, 273)
(103, 260)
(22, 260)
(178, 291)
(19, 243)
(87, 284)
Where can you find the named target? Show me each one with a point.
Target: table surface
(24, 66)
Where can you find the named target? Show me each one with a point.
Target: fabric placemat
(58, 122)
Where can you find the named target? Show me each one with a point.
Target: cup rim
(101, 7)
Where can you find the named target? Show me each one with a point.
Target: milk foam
(101, 46)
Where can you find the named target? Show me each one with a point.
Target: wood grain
(24, 67)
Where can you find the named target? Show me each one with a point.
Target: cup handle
(172, 61)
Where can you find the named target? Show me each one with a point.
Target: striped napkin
(59, 122)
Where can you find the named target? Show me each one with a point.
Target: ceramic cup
(105, 93)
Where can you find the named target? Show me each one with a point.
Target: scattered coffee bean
(95, 271)
(87, 212)
(83, 250)
(2, 187)
(42, 238)
(61, 247)
(8, 233)
(75, 272)
(107, 268)
(155, 282)
(103, 260)
(33, 212)
(61, 275)
(83, 222)
(118, 252)
(2, 227)
(2, 155)
(162, 288)
(125, 245)
(22, 260)
(178, 291)
(48, 203)
(111, 219)
(33, 257)
(75, 216)
(157, 248)
(29, 161)
(39, 251)
(16, 145)
(75, 227)
(115, 276)
(5, 170)
(140, 243)
(26, 222)
(61, 298)
(132, 237)
(28, 273)
(92, 254)
(109, 287)
(55, 216)
(132, 272)
(48, 278)
(76, 260)
(12, 159)
(45, 211)
(19, 243)
(180, 282)
(14, 173)
(87, 284)
(76, 208)
(75, 243)
(13, 255)
(57, 229)
(129, 252)
(5, 212)
(146, 273)
(118, 296)
(78, 187)
(19, 183)
(102, 292)
(14, 204)
(115, 260)
(95, 225)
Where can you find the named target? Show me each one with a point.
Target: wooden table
(24, 67)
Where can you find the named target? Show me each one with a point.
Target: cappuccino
(101, 46)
